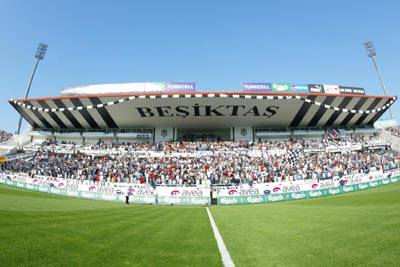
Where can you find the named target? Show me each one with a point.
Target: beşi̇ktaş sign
(206, 111)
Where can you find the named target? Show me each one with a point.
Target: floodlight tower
(39, 55)
(371, 52)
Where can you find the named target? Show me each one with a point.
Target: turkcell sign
(256, 87)
(180, 86)
(351, 90)
(315, 88)
(281, 87)
(299, 88)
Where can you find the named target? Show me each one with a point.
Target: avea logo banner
(256, 87)
(299, 88)
(281, 87)
(232, 192)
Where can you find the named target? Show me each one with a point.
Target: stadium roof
(202, 110)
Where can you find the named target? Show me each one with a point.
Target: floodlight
(41, 51)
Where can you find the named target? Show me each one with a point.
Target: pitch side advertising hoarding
(331, 89)
(242, 194)
(315, 88)
(351, 90)
(281, 87)
(256, 87)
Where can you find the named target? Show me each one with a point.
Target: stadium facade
(167, 111)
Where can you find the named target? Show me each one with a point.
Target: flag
(293, 156)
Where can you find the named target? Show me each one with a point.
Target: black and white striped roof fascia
(57, 112)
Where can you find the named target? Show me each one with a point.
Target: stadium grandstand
(162, 142)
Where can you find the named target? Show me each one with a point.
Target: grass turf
(38, 229)
(362, 228)
(354, 229)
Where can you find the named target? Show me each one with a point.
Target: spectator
(206, 160)
(5, 136)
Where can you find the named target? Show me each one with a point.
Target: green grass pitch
(354, 229)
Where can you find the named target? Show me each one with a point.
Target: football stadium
(272, 174)
(199, 133)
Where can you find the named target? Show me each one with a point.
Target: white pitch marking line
(226, 257)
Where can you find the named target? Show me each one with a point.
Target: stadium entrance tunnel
(204, 134)
(236, 133)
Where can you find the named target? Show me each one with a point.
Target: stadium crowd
(5, 136)
(204, 161)
(394, 131)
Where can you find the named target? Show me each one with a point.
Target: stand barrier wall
(200, 195)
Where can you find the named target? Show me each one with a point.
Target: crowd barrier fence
(200, 195)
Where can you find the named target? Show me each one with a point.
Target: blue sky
(218, 44)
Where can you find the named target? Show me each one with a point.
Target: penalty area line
(225, 256)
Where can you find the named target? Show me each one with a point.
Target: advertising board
(315, 88)
(351, 90)
(257, 87)
(299, 88)
(331, 89)
(281, 87)
(180, 86)
(181, 195)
